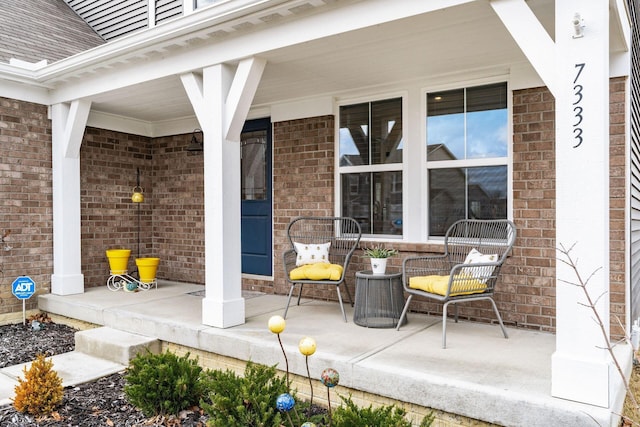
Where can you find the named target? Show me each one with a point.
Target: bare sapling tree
(591, 304)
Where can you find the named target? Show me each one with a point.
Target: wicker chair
(342, 233)
(474, 251)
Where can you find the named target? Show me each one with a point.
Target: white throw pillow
(480, 273)
(312, 253)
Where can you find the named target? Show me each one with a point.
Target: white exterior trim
(68, 122)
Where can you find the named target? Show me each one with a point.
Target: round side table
(379, 300)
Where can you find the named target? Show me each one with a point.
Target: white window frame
(415, 204)
(465, 163)
(391, 167)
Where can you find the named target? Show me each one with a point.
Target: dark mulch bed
(20, 343)
(93, 404)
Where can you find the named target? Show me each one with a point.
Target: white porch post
(68, 122)
(221, 100)
(580, 365)
(576, 70)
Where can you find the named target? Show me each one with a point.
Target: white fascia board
(302, 108)
(28, 65)
(205, 19)
(619, 64)
(117, 123)
(313, 27)
(24, 91)
(175, 126)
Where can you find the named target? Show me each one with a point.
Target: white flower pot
(378, 265)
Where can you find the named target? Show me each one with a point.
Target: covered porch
(299, 62)
(480, 375)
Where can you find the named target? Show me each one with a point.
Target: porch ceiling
(433, 45)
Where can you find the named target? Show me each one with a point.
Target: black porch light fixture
(196, 144)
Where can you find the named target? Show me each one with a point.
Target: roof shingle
(33, 30)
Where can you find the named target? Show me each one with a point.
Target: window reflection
(371, 133)
(461, 193)
(374, 199)
(253, 165)
(468, 123)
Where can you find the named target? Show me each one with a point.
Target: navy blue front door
(255, 142)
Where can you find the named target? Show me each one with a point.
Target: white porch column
(576, 70)
(67, 122)
(221, 100)
(580, 365)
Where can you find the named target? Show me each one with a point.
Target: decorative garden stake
(330, 378)
(284, 403)
(277, 325)
(307, 346)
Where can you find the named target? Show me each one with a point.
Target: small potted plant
(378, 255)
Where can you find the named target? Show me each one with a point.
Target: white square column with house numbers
(575, 68)
(581, 364)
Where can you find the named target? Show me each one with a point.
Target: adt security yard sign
(23, 288)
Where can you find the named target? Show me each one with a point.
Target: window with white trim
(370, 167)
(467, 155)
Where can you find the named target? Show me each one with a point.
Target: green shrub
(163, 384)
(235, 401)
(350, 415)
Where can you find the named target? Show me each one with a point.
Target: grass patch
(631, 415)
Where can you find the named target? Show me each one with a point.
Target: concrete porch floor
(479, 375)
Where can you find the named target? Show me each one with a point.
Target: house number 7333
(577, 108)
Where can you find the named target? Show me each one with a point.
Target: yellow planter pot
(118, 260)
(147, 268)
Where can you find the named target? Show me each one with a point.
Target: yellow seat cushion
(318, 271)
(462, 285)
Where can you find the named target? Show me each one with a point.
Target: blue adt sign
(23, 287)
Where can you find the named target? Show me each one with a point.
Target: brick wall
(26, 207)
(171, 216)
(526, 295)
(108, 168)
(303, 184)
(178, 209)
(617, 185)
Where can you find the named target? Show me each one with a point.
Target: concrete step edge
(114, 345)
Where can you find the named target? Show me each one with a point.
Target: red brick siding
(303, 184)
(617, 201)
(171, 216)
(26, 208)
(526, 295)
(178, 209)
(108, 162)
